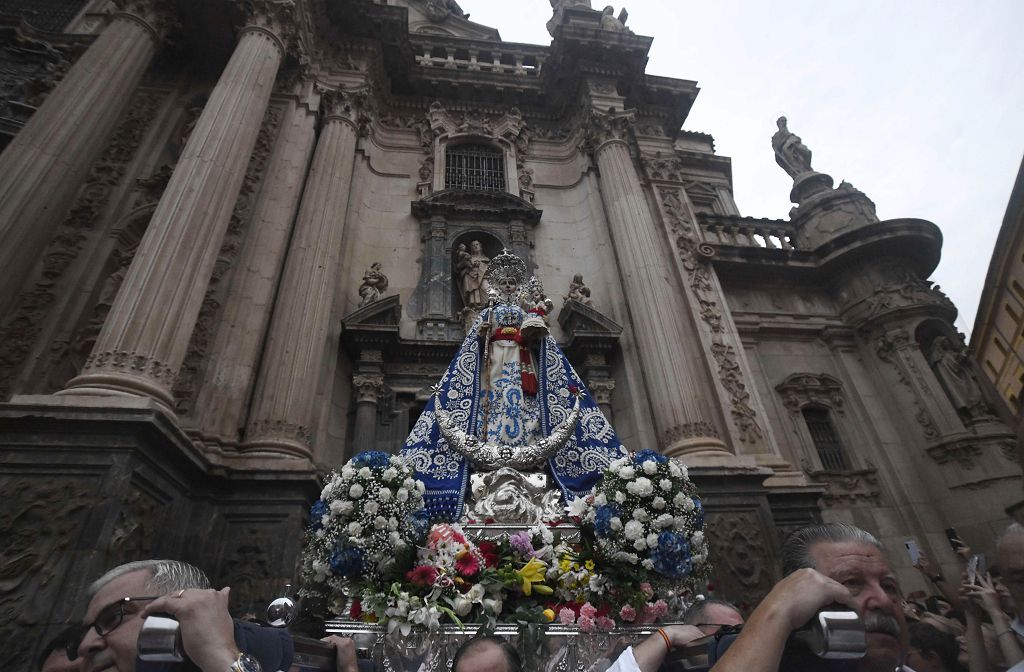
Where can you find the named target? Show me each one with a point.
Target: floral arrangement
(366, 526)
(641, 549)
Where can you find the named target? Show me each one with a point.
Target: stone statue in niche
(471, 270)
(953, 370)
(375, 283)
(578, 291)
(610, 22)
(790, 152)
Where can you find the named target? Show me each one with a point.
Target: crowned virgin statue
(509, 400)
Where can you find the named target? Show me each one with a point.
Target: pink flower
(588, 610)
(522, 543)
(467, 564)
(627, 613)
(424, 575)
(646, 589)
(605, 623)
(647, 615)
(586, 624)
(566, 616)
(660, 609)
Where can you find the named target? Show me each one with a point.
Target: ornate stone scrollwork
(803, 389)
(603, 128)
(276, 18)
(905, 291)
(742, 556)
(847, 487)
(887, 346)
(369, 388)
(509, 496)
(963, 453)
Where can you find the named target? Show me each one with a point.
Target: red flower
(489, 551)
(356, 611)
(467, 564)
(573, 389)
(423, 575)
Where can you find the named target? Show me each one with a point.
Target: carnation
(566, 616)
(356, 491)
(626, 473)
(365, 472)
(605, 623)
(384, 494)
(650, 467)
(665, 484)
(627, 613)
(659, 503)
(587, 624)
(588, 610)
(634, 530)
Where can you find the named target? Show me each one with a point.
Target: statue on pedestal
(559, 7)
(578, 291)
(375, 283)
(471, 269)
(610, 22)
(509, 398)
(790, 152)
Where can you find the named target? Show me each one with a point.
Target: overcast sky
(919, 104)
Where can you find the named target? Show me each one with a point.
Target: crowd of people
(971, 623)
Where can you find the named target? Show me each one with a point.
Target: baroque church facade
(239, 242)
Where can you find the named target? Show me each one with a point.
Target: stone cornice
(488, 205)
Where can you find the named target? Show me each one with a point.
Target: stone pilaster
(601, 389)
(220, 406)
(369, 389)
(145, 338)
(674, 370)
(282, 412)
(46, 162)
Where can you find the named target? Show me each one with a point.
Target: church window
(474, 167)
(826, 440)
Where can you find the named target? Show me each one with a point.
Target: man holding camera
(825, 564)
(123, 597)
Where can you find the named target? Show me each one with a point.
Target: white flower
(390, 474)
(697, 539)
(546, 535)
(578, 507)
(420, 488)
(476, 593)
(640, 545)
(652, 540)
(371, 507)
(664, 520)
(659, 503)
(392, 523)
(683, 501)
(354, 529)
(384, 495)
(644, 487)
(674, 469)
(620, 497)
(320, 570)
(650, 467)
(615, 523)
(647, 563)
(402, 496)
(365, 472)
(627, 472)
(634, 530)
(617, 465)
(347, 507)
(665, 484)
(347, 472)
(600, 500)
(494, 606)
(623, 556)
(462, 605)
(409, 484)
(641, 515)
(336, 507)
(380, 522)
(356, 491)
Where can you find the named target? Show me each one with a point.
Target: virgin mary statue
(510, 398)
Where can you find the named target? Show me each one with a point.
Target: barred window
(474, 167)
(49, 15)
(826, 440)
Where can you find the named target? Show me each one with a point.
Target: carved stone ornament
(688, 430)
(741, 556)
(439, 10)
(474, 121)
(509, 496)
(277, 18)
(850, 486)
(279, 429)
(887, 346)
(963, 453)
(346, 105)
(604, 128)
(491, 456)
(907, 291)
(158, 16)
(804, 389)
(368, 387)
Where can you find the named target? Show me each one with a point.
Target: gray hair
(166, 576)
(695, 613)
(796, 551)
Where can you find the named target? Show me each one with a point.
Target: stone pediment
(386, 312)
(445, 18)
(576, 317)
(497, 206)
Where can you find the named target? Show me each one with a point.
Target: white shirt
(625, 662)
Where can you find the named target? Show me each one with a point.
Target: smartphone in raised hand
(913, 551)
(972, 568)
(954, 539)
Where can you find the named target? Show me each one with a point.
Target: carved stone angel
(578, 291)
(790, 152)
(375, 283)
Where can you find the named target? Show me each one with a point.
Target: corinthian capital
(604, 128)
(157, 16)
(346, 105)
(368, 387)
(275, 17)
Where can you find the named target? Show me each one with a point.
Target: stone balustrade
(731, 231)
(491, 58)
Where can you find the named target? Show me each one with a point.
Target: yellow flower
(549, 614)
(589, 564)
(565, 564)
(531, 573)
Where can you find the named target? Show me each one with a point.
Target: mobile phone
(953, 538)
(982, 564)
(913, 551)
(972, 568)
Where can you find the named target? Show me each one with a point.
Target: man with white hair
(121, 599)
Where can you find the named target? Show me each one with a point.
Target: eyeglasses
(106, 621)
(723, 628)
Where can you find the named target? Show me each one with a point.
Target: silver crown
(505, 265)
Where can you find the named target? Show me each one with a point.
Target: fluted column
(675, 370)
(368, 392)
(46, 162)
(281, 417)
(220, 405)
(145, 337)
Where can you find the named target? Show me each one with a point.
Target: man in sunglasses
(711, 615)
(121, 599)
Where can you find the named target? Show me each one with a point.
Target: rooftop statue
(790, 152)
(610, 22)
(559, 7)
(509, 399)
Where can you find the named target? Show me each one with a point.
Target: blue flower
(648, 455)
(671, 557)
(346, 561)
(698, 513)
(419, 522)
(316, 513)
(603, 519)
(371, 458)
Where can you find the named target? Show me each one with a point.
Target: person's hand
(963, 550)
(681, 635)
(799, 596)
(925, 566)
(983, 592)
(207, 631)
(345, 649)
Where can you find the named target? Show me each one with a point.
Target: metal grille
(826, 441)
(475, 168)
(48, 15)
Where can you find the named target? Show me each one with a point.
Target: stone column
(675, 370)
(368, 392)
(221, 403)
(282, 413)
(46, 162)
(145, 338)
(601, 389)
